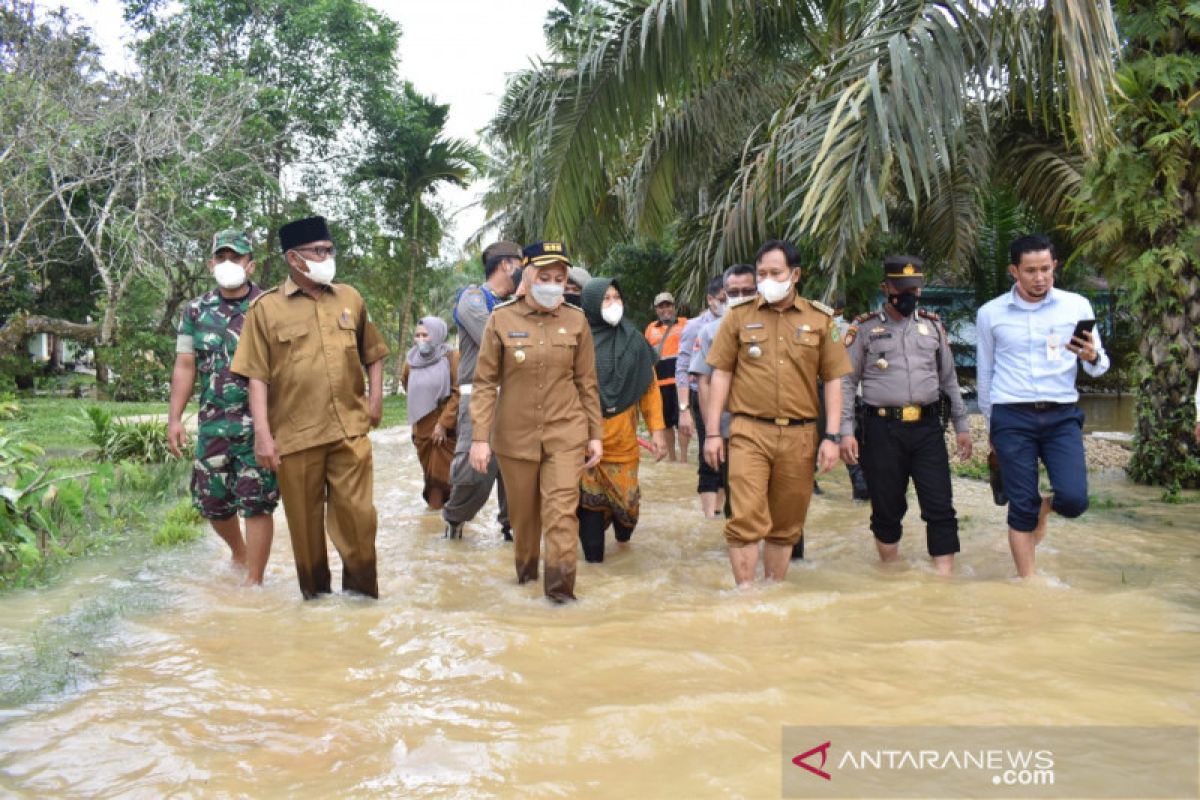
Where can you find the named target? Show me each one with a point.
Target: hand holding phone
(1081, 340)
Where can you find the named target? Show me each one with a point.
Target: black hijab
(624, 361)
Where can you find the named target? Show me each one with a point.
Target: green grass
(395, 411)
(54, 423)
(181, 524)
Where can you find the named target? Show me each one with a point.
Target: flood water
(661, 682)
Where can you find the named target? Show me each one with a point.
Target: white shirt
(1022, 355)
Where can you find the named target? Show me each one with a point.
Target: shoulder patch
(265, 292)
(851, 332)
(819, 306)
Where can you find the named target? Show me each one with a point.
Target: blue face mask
(547, 295)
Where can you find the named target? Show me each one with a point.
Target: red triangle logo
(823, 749)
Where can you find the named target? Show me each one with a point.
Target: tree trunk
(406, 315)
(19, 328)
(1165, 451)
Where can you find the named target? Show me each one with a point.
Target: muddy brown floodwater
(661, 682)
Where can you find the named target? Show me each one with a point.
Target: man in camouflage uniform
(226, 481)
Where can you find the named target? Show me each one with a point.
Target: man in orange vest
(663, 335)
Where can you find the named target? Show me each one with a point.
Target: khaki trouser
(331, 484)
(774, 463)
(542, 498)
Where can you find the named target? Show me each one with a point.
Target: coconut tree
(730, 121)
(1141, 218)
(408, 160)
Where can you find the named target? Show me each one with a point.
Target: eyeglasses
(319, 252)
(750, 292)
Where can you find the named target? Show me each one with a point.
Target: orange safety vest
(665, 342)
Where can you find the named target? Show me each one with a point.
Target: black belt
(1041, 405)
(782, 422)
(904, 413)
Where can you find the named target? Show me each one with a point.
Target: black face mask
(905, 303)
(573, 299)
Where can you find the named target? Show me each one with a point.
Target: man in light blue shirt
(1026, 363)
(691, 421)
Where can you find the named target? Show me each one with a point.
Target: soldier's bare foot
(1039, 532)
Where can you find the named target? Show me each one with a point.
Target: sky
(442, 48)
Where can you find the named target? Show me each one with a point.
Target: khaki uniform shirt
(898, 364)
(312, 354)
(535, 382)
(776, 358)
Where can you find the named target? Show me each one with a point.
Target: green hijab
(624, 361)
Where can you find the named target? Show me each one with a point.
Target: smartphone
(1083, 326)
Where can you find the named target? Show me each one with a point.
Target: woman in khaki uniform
(535, 403)
(430, 379)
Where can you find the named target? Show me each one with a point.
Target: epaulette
(508, 302)
(932, 317)
(852, 331)
(265, 292)
(819, 306)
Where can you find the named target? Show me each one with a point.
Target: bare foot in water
(1039, 532)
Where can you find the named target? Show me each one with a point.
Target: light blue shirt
(687, 348)
(1022, 356)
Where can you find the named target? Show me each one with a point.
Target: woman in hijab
(430, 378)
(609, 491)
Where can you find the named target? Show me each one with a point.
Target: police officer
(535, 403)
(226, 480)
(901, 356)
(304, 348)
(469, 489)
(766, 358)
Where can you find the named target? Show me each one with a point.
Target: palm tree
(1140, 219)
(408, 160)
(726, 122)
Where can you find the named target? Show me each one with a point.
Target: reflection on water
(1108, 412)
(661, 682)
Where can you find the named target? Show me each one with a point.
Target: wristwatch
(836, 438)
(685, 407)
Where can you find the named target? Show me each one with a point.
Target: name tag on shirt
(1054, 347)
(754, 325)
(518, 335)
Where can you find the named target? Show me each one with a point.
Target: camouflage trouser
(226, 480)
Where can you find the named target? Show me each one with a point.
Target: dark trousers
(1021, 436)
(709, 478)
(592, 527)
(892, 452)
(469, 489)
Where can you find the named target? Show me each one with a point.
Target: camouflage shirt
(210, 327)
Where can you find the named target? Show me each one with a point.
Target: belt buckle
(910, 413)
(782, 422)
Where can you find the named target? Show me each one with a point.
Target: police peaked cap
(302, 232)
(542, 254)
(904, 271)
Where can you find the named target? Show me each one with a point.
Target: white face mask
(229, 275)
(734, 302)
(612, 314)
(720, 309)
(773, 291)
(321, 272)
(547, 295)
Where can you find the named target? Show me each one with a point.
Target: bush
(141, 366)
(144, 441)
(180, 525)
